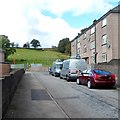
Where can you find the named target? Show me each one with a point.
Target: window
(78, 51)
(78, 45)
(84, 48)
(88, 39)
(66, 65)
(93, 59)
(84, 35)
(104, 57)
(104, 22)
(102, 72)
(78, 40)
(92, 30)
(92, 44)
(104, 39)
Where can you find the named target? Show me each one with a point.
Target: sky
(49, 21)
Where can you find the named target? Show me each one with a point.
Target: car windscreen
(59, 66)
(102, 72)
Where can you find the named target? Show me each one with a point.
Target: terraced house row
(100, 41)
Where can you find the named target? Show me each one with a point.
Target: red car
(96, 77)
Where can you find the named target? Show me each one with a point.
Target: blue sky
(49, 21)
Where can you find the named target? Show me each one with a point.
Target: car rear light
(113, 77)
(69, 71)
(76, 71)
(97, 77)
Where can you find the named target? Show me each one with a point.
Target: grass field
(32, 56)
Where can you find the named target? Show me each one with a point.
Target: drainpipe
(94, 23)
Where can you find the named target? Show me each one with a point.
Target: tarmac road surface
(40, 95)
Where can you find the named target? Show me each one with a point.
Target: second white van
(71, 68)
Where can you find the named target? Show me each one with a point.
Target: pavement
(32, 100)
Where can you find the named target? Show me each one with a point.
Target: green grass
(31, 56)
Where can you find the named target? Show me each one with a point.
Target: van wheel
(89, 85)
(78, 81)
(61, 77)
(55, 75)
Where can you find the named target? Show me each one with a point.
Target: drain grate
(39, 94)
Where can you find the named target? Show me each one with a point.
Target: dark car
(50, 70)
(96, 77)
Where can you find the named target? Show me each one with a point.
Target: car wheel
(55, 75)
(78, 81)
(89, 84)
(67, 78)
(61, 77)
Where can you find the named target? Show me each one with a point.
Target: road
(77, 101)
(40, 95)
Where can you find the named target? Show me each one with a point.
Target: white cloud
(22, 20)
(77, 7)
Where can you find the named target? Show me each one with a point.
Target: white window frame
(92, 30)
(104, 22)
(78, 51)
(93, 59)
(84, 48)
(84, 35)
(104, 57)
(104, 39)
(78, 40)
(92, 45)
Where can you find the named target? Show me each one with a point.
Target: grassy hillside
(29, 56)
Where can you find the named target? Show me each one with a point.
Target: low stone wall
(9, 85)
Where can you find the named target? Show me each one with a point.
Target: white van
(56, 68)
(71, 68)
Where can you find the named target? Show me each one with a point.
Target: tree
(68, 48)
(35, 43)
(26, 45)
(13, 44)
(16, 45)
(5, 44)
(63, 45)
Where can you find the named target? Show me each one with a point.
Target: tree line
(64, 45)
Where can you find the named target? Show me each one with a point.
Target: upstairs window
(92, 59)
(78, 51)
(84, 35)
(92, 45)
(84, 48)
(78, 40)
(104, 22)
(104, 39)
(92, 30)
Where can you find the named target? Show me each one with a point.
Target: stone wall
(9, 85)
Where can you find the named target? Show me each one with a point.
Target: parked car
(56, 68)
(96, 77)
(50, 70)
(71, 68)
